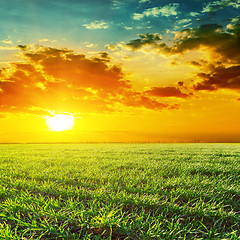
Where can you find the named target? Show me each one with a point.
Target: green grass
(119, 191)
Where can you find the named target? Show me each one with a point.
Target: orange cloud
(59, 79)
(167, 92)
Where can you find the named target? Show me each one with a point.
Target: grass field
(119, 191)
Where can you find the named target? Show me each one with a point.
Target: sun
(60, 122)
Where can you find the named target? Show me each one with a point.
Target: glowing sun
(60, 122)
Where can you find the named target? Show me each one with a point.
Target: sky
(125, 71)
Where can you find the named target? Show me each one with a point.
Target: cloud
(116, 4)
(195, 63)
(219, 78)
(222, 45)
(47, 40)
(224, 71)
(167, 10)
(96, 25)
(167, 92)
(194, 14)
(145, 39)
(7, 48)
(128, 28)
(223, 42)
(218, 5)
(138, 16)
(196, 36)
(138, 99)
(226, 43)
(111, 47)
(90, 45)
(183, 21)
(59, 79)
(180, 84)
(104, 55)
(7, 41)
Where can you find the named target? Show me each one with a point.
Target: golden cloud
(59, 79)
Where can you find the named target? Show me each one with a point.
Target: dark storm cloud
(56, 79)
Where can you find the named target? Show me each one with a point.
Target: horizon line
(121, 142)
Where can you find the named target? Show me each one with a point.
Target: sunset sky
(125, 71)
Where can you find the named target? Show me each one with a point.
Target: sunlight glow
(60, 122)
